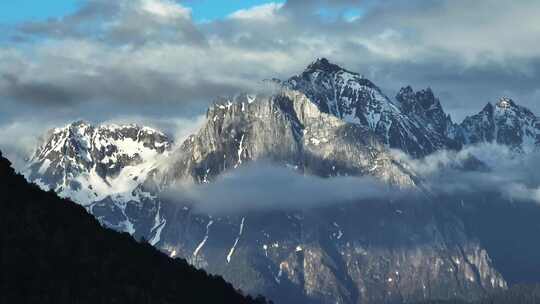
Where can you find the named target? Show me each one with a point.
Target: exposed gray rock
(287, 129)
(426, 109)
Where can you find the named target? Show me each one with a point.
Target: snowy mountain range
(104, 168)
(326, 122)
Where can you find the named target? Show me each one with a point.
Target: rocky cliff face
(287, 129)
(427, 109)
(104, 169)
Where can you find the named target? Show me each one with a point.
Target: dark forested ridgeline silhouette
(53, 251)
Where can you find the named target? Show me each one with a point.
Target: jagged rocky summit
(414, 123)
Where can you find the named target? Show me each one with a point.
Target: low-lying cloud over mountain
(266, 187)
(480, 169)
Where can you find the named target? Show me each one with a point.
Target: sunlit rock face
(289, 130)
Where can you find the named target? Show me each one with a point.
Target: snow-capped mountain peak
(426, 108)
(103, 168)
(506, 123)
(353, 98)
(326, 121)
(323, 64)
(421, 101)
(340, 92)
(506, 103)
(288, 129)
(83, 152)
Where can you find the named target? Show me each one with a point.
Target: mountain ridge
(352, 97)
(326, 122)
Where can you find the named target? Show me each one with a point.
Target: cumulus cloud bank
(132, 52)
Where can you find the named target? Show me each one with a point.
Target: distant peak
(79, 123)
(488, 107)
(324, 65)
(405, 95)
(406, 90)
(505, 103)
(428, 91)
(321, 61)
(426, 98)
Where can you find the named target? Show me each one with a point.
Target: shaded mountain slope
(523, 294)
(53, 251)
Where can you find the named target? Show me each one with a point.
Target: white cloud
(166, 8)
(264, 12)
(478, 169)
(18, 140)
(477, 32)
(134, 52)
(265, 187)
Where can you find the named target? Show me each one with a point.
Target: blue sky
(215, 9)
(24, 10)
(13, 11)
